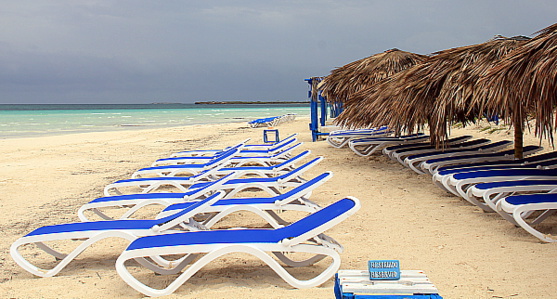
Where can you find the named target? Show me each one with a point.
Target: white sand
(465, 252)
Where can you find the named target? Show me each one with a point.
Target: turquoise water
(36, 120)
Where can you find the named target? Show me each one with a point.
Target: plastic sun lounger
(151, 184)
(304, 236)
(432, 165)
(459, 183)
(367, 146)
(92, 232)
(129, 204)
(339, 139)
(262, 171)
(248, 147)
(262, 122)
(403, 154)
(272, 185)
(241, 170)
(297, 199)
(486, 195)
(246, 152)
(389, 151)
(516, 206)
(440, 178)
(183, 184)
(236, 160)
(414, 162)
(220, 160)
(520, 162)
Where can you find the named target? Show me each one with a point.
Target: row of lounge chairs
(271, 121)
(179, 240)
(482, 172)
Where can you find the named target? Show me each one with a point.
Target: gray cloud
(143, 51)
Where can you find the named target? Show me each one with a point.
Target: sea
(29, 120)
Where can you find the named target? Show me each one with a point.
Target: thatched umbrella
(525, 82)
(436, 92)
(349, 79)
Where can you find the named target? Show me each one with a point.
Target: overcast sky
(138, 51)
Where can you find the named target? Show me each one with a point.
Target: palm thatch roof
(350, 78)
(436, 92)
(525, 82)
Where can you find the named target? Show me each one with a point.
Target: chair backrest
(209, 187)
(542, 157)
(282, 144)
(320, 221)
(293, 159)
(506, 172)
(286, 151)
(299, 170)
(309, 185)
(224, 156)
(187, 213)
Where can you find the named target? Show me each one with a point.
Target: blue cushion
(485, 186)
(532, 198)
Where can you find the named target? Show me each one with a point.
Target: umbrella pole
(519, 136)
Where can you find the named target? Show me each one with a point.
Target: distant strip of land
(245, 102)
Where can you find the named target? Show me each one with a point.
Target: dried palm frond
(345, 81)
(525, 82)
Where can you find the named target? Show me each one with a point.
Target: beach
(465, 252)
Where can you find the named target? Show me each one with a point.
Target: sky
(182, 51)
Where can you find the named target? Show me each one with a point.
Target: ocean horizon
(29, 120)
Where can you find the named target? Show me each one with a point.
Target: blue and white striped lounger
(304, 236)
(519, 205)
(432, 165)
(296, 199)
(402, 154)
(458, 183)
(389, 151)
(92, 232)
(370, 145)
(486, 195)
(414, 162)
(183, 184)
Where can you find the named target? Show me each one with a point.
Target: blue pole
(323, 109)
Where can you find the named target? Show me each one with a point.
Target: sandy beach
(465, 252)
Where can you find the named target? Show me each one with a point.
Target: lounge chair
(183, 184)
(178, 169)
(432, 165)
(515, 208)
(519, 162)
(245, 152)
(390, 150)
(129, 204)
(92, 232)
(340, 138)
(236, 160)
(543, 161)
(367, 146)
(458, 183)
(262, 171)
(400, 155)
(296, 199)
(486, 195)
(249, 147)
(414, 162)
(218, 161)
(304, 236)
(272, 185)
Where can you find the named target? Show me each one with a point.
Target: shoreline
(466, 253)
